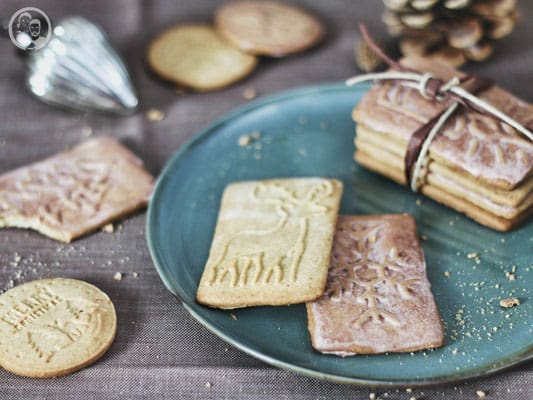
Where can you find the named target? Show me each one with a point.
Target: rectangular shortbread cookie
(74, 192)
(272, 243)
(377, 297)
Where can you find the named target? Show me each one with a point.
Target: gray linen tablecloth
(160, 351)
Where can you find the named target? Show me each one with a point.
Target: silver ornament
(79, 69)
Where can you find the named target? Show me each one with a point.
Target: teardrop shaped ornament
(79, 69)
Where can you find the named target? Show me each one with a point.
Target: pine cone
(452, 31)
(365, 58)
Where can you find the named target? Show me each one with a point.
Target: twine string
(434, 89)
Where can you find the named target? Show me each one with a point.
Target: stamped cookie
(272, 243)
(53, 327)
(268, 28)
(476, 164)
(75, 192)
(195, 56)
(377, 297)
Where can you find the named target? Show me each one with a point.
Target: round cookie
(53, 327)
(195, 56)
(267, 27)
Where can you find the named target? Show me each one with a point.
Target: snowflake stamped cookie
(377, 297)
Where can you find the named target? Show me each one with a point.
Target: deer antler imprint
(235, 269)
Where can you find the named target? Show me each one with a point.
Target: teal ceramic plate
(309, 132)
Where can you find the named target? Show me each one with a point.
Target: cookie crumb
(117, 276)
(153, 114)
(447, 274)
(246, 139)
(255, 135)
(109, 228)
(412, 398)
(424, 237)
(418, 202)
(86, 131)
(512, 277)
(233, 317)
(510, 302)
(135, 274)
(408, 390)
(249, 93)
(471, 255)
(208, 385)
(372, 396)
(481, 394)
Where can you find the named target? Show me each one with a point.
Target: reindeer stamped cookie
(272, 243)
(53, 327)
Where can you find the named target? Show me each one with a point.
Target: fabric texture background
(160, 351)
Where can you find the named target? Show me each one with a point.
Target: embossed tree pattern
(480, 137)
(47, 340)
(78, 186)
(486, 137)
(360, 272)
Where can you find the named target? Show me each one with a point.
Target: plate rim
(509, 362)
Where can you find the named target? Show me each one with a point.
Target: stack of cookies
(277, 242)
(476, 164)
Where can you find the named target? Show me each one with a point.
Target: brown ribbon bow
(432, 90)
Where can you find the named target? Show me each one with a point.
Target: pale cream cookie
(272, 243)
(194, 55)
(267, 27)
(53, 327)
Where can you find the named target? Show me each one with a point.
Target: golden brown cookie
(53, 327)
(268, 28)
(195, 56)
(476, 164)
(386, 148)
(272, 243)
(377, 297)
(475, 210)
(75, 192)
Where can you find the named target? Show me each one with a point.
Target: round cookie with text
(53, 327)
